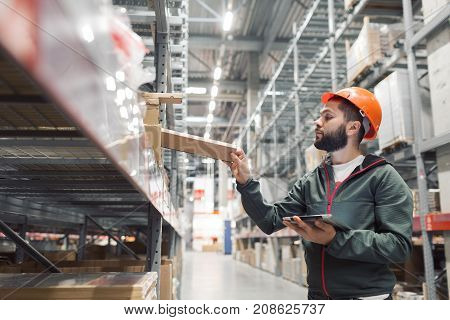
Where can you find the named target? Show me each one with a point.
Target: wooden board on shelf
(87, 286)
(196, 145)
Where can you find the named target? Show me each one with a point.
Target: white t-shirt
(342, 171)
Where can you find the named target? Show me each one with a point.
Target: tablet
(311, 219)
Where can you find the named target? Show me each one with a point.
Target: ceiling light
(209, 118)
(227, 21)
(212, 106)
(214, 91)
(196, 90)
(217, 73)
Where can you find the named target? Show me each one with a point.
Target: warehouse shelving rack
(304, 72)
(72, 168)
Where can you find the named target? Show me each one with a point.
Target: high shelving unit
(74, 156)
(314, 62)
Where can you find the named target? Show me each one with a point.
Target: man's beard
(334, 141)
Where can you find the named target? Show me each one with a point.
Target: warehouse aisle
(216, 276)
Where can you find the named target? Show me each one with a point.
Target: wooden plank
(152, 115)
(171, 97)
(196, 145)
(153, 133)
(92, 286)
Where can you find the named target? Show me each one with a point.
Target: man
(364, 193)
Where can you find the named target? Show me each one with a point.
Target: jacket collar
(370, 160)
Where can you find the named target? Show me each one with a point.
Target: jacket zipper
(330, 199)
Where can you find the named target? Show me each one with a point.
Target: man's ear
(353, 127)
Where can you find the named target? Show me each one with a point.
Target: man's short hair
(351, 113)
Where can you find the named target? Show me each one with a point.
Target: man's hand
(239, 166)
(321, 233)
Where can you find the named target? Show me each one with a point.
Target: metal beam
(32, 252)
(199, 122)
(58, 173)
(41, 133)
(23, 99)
(276, 22)
(33, 142)
(111, 235)
(435, 142)
(72, 191)
(45, 183)
(53, 161)
(239, 44)
(228, 97)
(431, 26)
(234, 85)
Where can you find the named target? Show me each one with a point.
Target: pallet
(396, 145)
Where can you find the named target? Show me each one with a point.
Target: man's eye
(328, 117)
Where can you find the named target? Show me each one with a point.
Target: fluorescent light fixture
(186, 160)
(208, 160)
(120, 76)
(87, 34)
(209, 118)
(212, 106)
(110, 84)
(195, 90)
(208, 127)
(217, 73)
(214, 91)
(206, 136)
(227, 21)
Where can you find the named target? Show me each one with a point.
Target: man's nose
(318, 122)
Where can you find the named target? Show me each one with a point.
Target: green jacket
(374, 201)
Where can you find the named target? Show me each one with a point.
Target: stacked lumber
(85, 286)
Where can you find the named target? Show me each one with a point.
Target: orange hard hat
(365, 101)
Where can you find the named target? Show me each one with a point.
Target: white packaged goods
(373, 42)
(349, 4)
(365, 51)
(395, 99)
(431, 8)
(439, 70)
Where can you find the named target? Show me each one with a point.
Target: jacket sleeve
(268, 217)
(391, 240)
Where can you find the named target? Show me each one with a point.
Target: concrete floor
(214, 276)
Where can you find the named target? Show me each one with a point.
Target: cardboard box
(196, 145)
(55, 256)
(212, 247)
(165, 280)
(394, 96)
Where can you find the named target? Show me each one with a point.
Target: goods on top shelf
(395, 99)
(374, 41)
(433, 201)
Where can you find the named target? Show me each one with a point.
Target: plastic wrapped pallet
(313, 157)
(87, 286)
(349, 4)
(364, 52)
(395, 99)
(373, 42)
